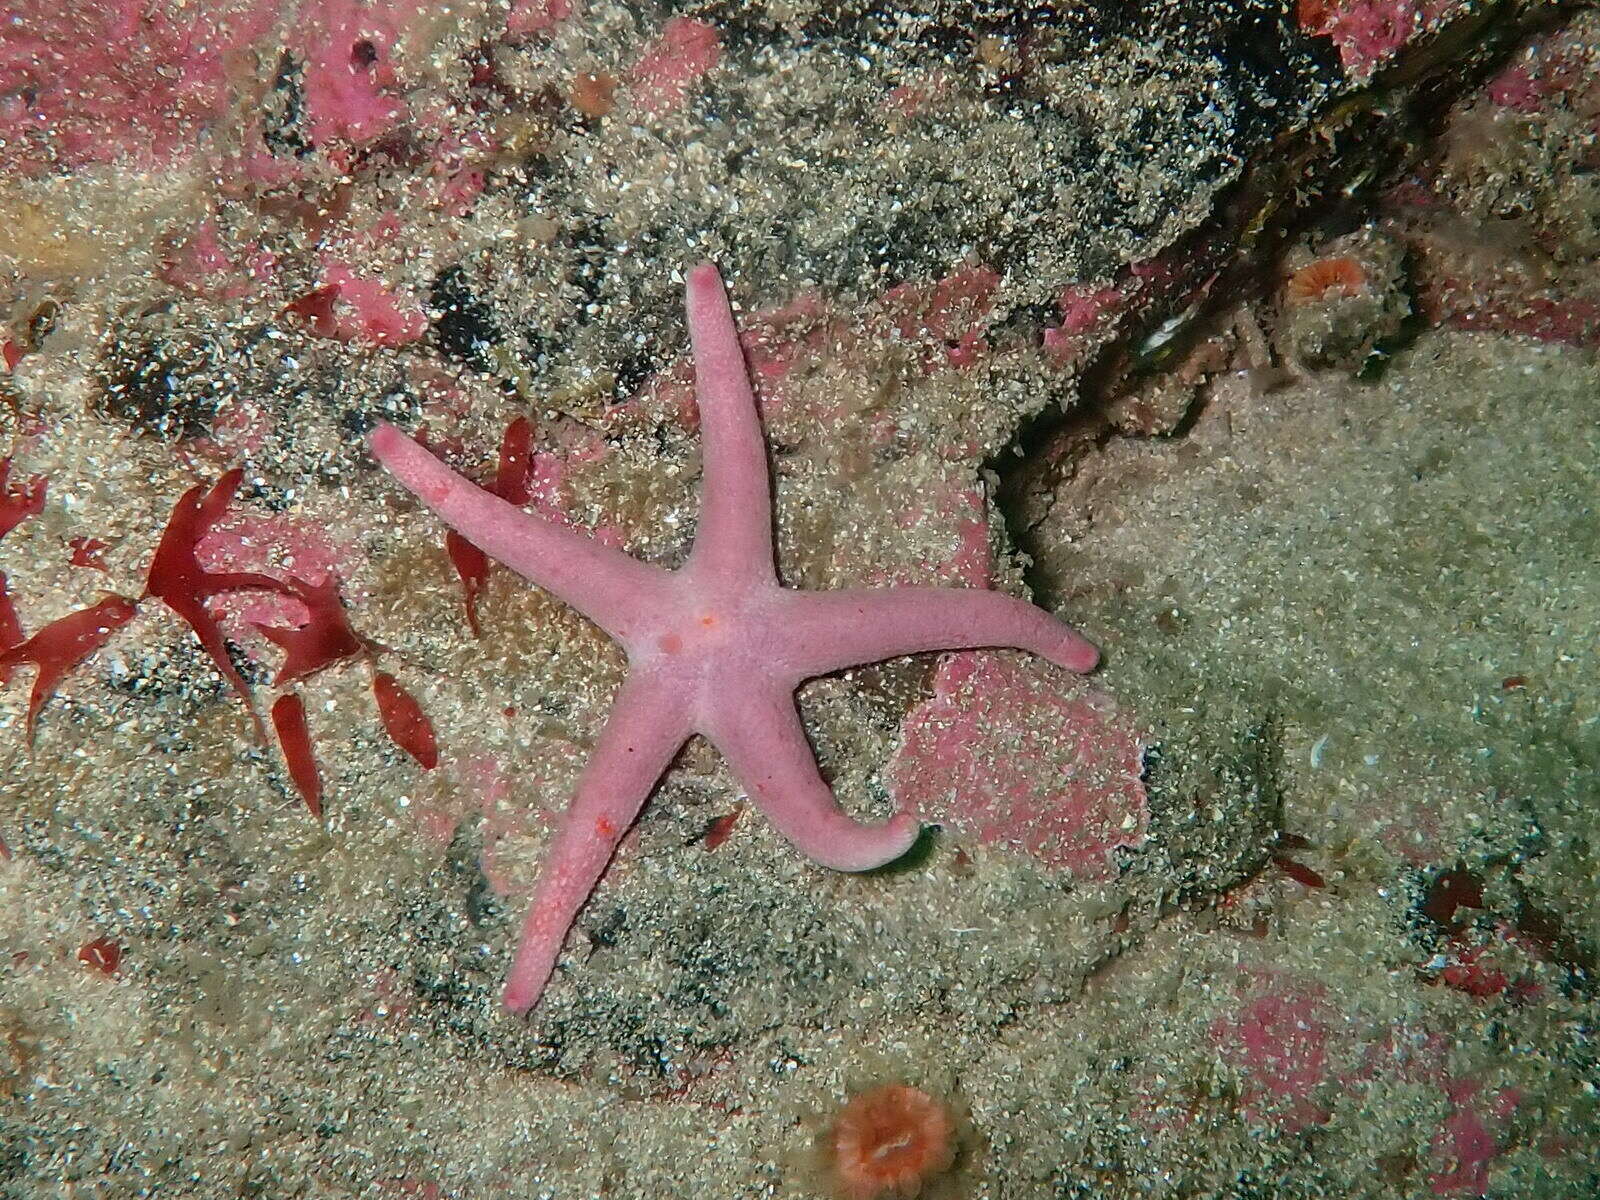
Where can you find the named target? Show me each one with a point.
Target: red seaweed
(1451, 890)
(10, 627)
(177, 578)
(405, 721)
(62, 645)
(102, 954)
(86, 552)
(1475, 978)
(18, 501)
(1299, 872)
(179, 581)
(289, 720)
(720, 830)
(325, 638)
(511, 484)
(316, 308)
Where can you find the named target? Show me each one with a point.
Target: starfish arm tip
(841, 843)
(384, 440)
(538, 949)
(703, 275)
(1079, 655)
(885, 843)
(519, 997)
(710, 315)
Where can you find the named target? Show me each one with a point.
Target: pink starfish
(716, 648)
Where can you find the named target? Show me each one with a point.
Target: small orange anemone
(1341, 275)
(890, 1141)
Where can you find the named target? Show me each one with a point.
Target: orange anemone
(1341, 275)
(889, 1141)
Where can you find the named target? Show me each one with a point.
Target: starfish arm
(760, 734)
(734, 538)
(644, 731)
(828, 631)
(610, 588)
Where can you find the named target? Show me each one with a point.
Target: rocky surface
(1026, 293)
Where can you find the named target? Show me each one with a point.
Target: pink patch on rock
(1465, 1146)
(350, 79)
(95, 81)
(1490, 304)
(972, 560)
(1515, 87)
(359, 308)
(1083, 308)
(1277, 1039)
(918, 96)
(954, 310)
(1086, 313)
(1014, 754)
(1369, 32)
(537, 16)
(1552, 71)
(673, 63)
(199, 264)
(958, 510)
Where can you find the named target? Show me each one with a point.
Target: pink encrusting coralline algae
(1015, 757)
(717, 647)
(672, 63)
(100, 80)
(1368, 33)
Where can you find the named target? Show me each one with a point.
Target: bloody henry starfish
(716, 648)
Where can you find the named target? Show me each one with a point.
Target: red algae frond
(179, 581)
(61, 645)
(17, 504)
(18, 501)
(10, 627)
(325, 638)
(890, 1142)
(294, 736)
(103, 954)
(404, 721)
(512, 484)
